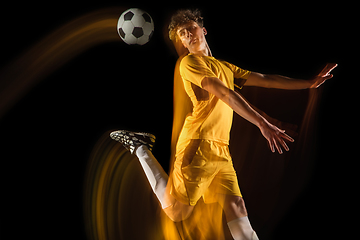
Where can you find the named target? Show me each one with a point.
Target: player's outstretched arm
(281, 82)
(275, 136)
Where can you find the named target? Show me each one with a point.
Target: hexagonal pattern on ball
(135, 26)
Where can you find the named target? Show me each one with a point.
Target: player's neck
(203, 52)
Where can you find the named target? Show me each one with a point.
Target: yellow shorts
(203, 168)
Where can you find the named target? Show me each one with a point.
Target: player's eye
(182, 33)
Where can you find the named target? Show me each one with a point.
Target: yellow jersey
(211, 118)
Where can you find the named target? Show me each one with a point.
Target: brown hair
(181, 17)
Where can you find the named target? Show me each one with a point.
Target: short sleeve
(240, 75)
(195, 69)
(238, 72)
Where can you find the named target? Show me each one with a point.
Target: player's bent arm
(232, 99)
(273, 135)
(276, 81)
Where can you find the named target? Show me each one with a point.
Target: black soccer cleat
(132, 140)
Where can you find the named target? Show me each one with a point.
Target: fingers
(271, 145)
(276, 138)
(283, 144)
(332, 66)
(327, 69)
(278, 147)
(328, 76)
(278, 142)
(287, 137)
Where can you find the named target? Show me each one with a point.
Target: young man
(203, 165)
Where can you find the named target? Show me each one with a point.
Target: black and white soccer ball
(135, 26)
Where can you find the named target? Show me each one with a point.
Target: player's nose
(187, 33)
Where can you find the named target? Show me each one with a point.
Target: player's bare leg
(237, 217)
(141, 145)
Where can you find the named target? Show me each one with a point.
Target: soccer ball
(135, 26)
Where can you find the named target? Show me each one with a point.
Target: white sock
(241, 229)
(155, 174)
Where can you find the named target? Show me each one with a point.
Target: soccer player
(203, 166)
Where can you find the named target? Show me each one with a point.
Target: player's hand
(323, 75)
(275, 137)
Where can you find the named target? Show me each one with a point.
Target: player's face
(192, 36)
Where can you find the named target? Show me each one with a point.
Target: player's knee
(236, 206)
(178, 213)
(241, 205)
(180, 216)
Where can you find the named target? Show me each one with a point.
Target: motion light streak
(118, 201)
(54, 51)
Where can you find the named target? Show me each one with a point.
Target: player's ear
(205, 32)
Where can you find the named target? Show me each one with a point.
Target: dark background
(47, 137)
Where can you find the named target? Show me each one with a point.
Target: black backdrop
(47, 136)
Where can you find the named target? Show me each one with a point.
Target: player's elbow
(258, 80)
